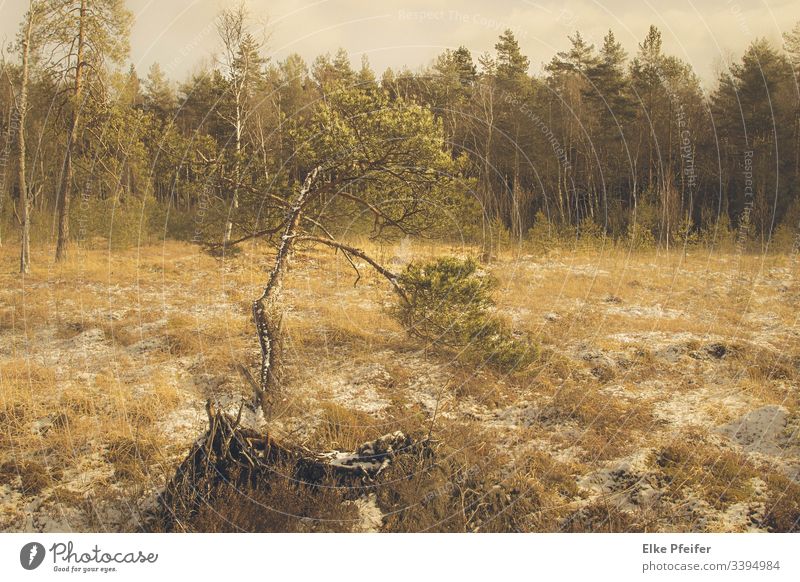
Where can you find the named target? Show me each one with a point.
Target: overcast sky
(393, 33)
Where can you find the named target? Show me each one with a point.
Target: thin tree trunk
(489, 202)
(3, 159)
(265, 315)
(25, 199)
(516, 218)
(24, 259)
(65, 190)
(236, 172)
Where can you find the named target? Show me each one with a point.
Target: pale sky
(180, 34)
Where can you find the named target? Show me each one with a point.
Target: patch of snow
(626, 482)
(762, 430)
(655, 311)
(521, 414)
(359, 390)
(370, 515)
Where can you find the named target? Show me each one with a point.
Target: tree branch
(390, 276)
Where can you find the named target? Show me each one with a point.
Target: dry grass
(106, 360)
(286, 506)
(342, 429)
(782, 506)
(720, 477)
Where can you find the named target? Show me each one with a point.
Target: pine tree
(159, 96)
(85, 35)
(646, 78)
(754, 108)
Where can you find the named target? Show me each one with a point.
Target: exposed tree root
(231, 455)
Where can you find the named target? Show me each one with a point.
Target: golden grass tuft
(720, 477)
(782, 507)
(131, 455)
(343, 429)
(286, 506)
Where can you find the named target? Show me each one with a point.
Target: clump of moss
(450, 304)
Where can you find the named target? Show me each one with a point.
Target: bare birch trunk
(265, 316)
(24, 195)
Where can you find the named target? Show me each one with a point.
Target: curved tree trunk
(265, 316)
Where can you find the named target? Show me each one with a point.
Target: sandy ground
(106, 364)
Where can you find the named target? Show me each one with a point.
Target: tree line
(601, 143)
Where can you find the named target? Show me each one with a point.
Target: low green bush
(450, 304)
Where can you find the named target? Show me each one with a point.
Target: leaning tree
(364, 154)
